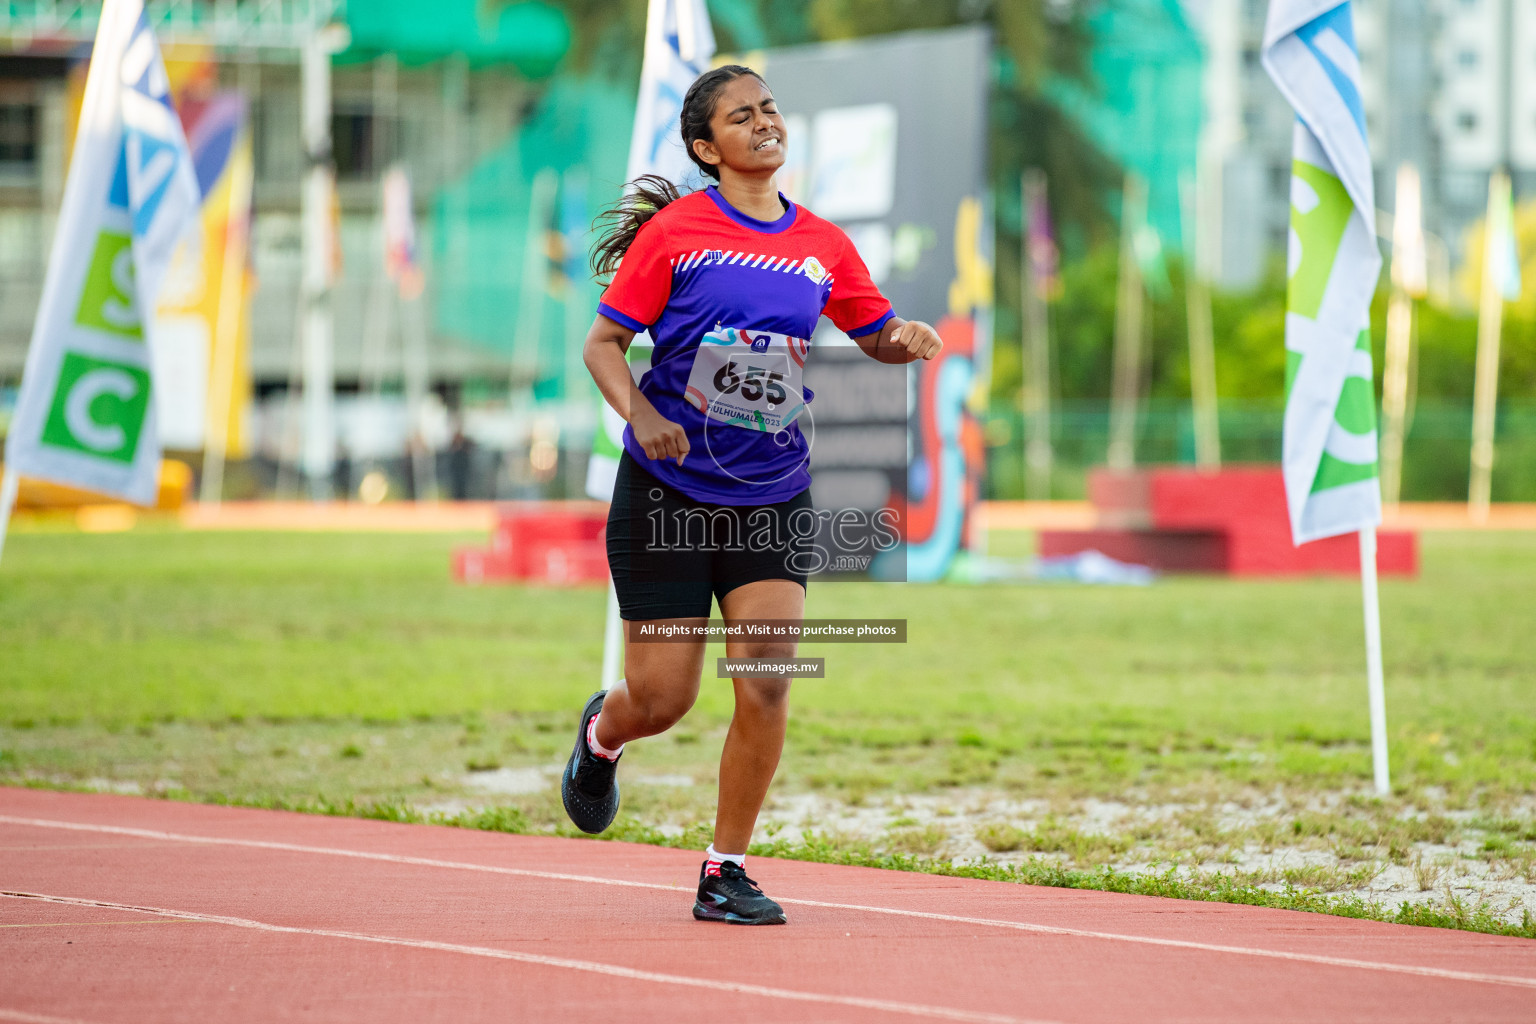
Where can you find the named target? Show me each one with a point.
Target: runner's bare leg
(756, 736)
(660, 684)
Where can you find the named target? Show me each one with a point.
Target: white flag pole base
(613, 641)
(9, 485)
(1374, 678)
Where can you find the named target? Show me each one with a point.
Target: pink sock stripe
(602, 752)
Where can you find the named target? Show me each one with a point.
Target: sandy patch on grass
(1343, 846)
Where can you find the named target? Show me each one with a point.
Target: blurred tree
(1037, 41)
(607, 32)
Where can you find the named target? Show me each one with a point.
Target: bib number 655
(753, 384)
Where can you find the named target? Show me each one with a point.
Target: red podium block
(533, 537)
(539, 543)
(1233, 521)
(1163, 550)
(478, 565)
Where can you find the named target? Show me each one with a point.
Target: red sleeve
(855, 306)
(643, 282)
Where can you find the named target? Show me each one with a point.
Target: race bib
(749, 379)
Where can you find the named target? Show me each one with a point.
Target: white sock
(713, 859)
(597, 748)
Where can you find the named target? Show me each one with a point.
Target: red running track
(119, 909)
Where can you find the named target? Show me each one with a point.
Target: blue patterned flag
(1329, 445)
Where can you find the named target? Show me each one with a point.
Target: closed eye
(767, 109)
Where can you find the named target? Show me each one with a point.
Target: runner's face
(749, 132)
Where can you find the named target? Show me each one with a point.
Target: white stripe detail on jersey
(685, 263)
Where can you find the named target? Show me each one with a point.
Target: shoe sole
(703, 913)
(591, 818)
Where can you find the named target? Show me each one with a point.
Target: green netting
(531, 36)
(580, 132)
(1149, 67)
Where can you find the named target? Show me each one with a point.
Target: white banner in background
(679, 45)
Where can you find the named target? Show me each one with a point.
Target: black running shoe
(588, 788)
(734, 898)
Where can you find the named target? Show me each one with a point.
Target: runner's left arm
(901, 341)
(857, 307)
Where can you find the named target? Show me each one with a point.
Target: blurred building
(1144, 109)
(1484, 111)
(439, 89)
(1431, 73)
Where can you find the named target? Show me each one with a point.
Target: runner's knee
(766, 696)
(659, 711)
(757, 650)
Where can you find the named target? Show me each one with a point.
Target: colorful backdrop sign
(887, 138)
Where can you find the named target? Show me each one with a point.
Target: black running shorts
(671, 555)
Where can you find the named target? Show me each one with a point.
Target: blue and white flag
(1329, 444)
(679, 46)
(85, 416)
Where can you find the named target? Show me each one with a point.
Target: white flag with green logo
(1329, 446)
(85, 416)
(679, 44)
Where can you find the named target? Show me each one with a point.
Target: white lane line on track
(1040, 929)
(22, 1017)
(589, 966)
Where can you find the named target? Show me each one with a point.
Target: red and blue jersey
(731, 303)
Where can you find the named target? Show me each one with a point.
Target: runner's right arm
(604, 353)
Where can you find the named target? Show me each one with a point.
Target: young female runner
(730, 282)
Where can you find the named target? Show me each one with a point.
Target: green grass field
(1223, 717)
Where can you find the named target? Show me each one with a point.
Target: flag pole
(1202, 335)
(10, 483)
(1394, 393)
(1374, 675)
(1036, 360)
(1485, 388)
(1498, 231)
(1410, 280)
(1126, 379)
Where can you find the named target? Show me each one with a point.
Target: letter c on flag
(103, 437)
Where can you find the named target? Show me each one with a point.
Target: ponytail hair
(644, 197)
